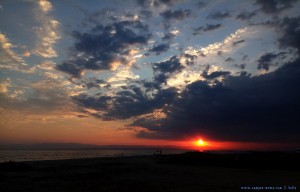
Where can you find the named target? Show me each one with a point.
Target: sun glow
(200, 143)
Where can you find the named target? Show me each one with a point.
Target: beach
(190, 172)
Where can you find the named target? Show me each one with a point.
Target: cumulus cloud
(125, 104)
(208, 27)
(275, 6)
(164, 70)
(160, 48)
(47, 34)
(104, 47)
(290, 33)
(242, 108)
(155, 3)
(217, 15)
(45, 5)
(170, 35)
(225, 45)
(176, 14)
(267, 60)
(240, 66)
(214, 74)
(245, 15)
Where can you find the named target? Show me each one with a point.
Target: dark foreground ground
(190, 172)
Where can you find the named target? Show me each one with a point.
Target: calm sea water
(38, 155)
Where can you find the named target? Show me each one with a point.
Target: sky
(151, 72)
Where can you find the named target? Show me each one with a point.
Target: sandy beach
(190, 172)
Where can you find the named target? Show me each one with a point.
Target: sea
(40, 155)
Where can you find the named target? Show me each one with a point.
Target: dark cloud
(170, 66)
(103, 45)
(94, 18)
(92, 83)
(189, 59)
(128, 103)
(207, 27)
(168, 37)
(238, 42)
(201, 5)
(155, 3)
(163, 70)
(274, 6)
(146, 13)
(133, 100)
(214, 74)
(240, 66)
(176, 15)
(229, 59)
(245, 57)
(262, 108)
(160, 48)
(245, 15)
(267, 60)
(218, 15)
(290, 28)
(100, 103)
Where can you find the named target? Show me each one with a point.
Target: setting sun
(200, 143)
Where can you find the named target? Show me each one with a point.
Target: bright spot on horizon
(200, 143)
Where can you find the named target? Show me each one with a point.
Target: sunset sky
(151, 72)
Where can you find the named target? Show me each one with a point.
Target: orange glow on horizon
(200, 143)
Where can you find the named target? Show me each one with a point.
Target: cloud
(163, 70)
(170, 35)
(208, 27)
(240, 66)
(47, 34)
(267, 60)
(229, 59)
(121, 77)
(26, 54)
(238, 42)
(105, 46)
(125, 104)
(7, 52)
(154, 3)
(275, 6)
(45, 5)
(214, 74)
(290, 33)
(4, 86)
(176, 15)
(160, 48)
(45, 96)
(245, 15)
(201, 5)
(218, 15)
(242, 108)
(93, 83)
(225, 45)
(9, 59)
